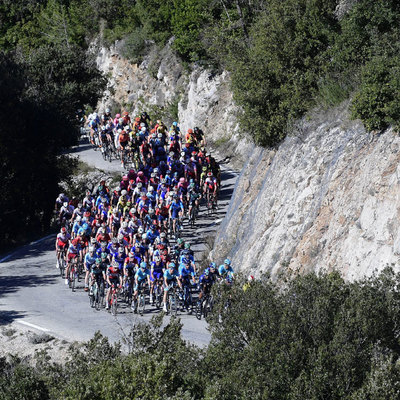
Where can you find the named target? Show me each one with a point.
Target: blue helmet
(171, 265)
(213, 265)
(206, 272)
(227, 261)
(143, 265)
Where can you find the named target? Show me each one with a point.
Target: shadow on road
(11, 283)
(6, 317)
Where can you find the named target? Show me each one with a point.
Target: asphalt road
(33, 294)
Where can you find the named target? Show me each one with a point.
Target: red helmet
(63, 229)
(209, 173)
(190, 131)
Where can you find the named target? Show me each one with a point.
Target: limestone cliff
(327, 198)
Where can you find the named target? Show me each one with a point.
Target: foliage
(319, 337)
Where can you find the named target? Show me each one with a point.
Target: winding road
(33, 294)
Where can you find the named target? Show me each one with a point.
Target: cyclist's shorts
(61, 244)
(88, 267)
(140, 283)
(114, 282)
(123, 144)
(168, 286)
(157, 275)
(174, 214)
(72, 256)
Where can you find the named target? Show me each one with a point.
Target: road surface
(33, 294)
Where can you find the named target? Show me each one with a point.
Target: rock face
(328, 199)
(202, 98)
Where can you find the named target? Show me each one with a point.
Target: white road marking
(33, 326)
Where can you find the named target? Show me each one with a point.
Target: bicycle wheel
(142, 303)
(173, 305)
(158, 296)
(198, 310)
(61, 264)
(72, 278)
(92, 300)
(114, 305)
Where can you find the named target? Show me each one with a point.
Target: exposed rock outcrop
(329, 198)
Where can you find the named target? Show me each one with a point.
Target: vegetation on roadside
(320, 337)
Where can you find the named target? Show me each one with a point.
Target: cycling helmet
(162, 234)
(120, 121)
(151, 189)
(143, 129)
(85, 226)
(144, 236)
(151, 210)
(159, 135)
(140, 184)
(227, 261)
(92, 240)
(120, 250)
(206, 272)
(174, 123)
(153, 227)
(114, 240)
(91, 249)
(143, 265)
(98, 260)
(65, 204)
(103, 245)
(152, 175)
(103, 255)
(132, 210)
(115, 264)
(182, 180)
(125, 178)
(119, 130)
(190, 131)
(107, 110)
(187, 245)
(157, 259)
(180, 241)
(120, 236)
(63, 230)
(118, 116)
(124, 225)
(171, 265)
(204, 169)
(213, 265)
(124, 193)
(78, 218)
(140, 230)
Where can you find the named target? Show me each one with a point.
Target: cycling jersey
(89, 261)
(141, 274)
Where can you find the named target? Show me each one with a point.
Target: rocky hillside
(328, 198)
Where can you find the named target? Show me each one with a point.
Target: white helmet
(91, 249)
(78, 218)
(108, 110)
(143, 129)
(120, 121)
(124, 192)
(124, 225)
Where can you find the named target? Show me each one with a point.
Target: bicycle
(172, 306)
(158, 293)
(128, 291)
(141, 298)
(114, 300)
(204, 306)
(96, 294)
(61, 261)
(186, 300)
(192, 215)
(73, 274)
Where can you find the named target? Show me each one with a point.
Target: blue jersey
(89, 260)
(157, 268)
(141, 274)
(76, 227)
(185, 271)
(169, 276)
(223, 269)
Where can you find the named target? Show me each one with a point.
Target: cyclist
(72, 254)
(114, 278)
(89, 261)
(176, 211)
(97, 274)
(225, 271)
(171, 276)
(142, 275)
(156, 274)
(61, 242)
(206, 281)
